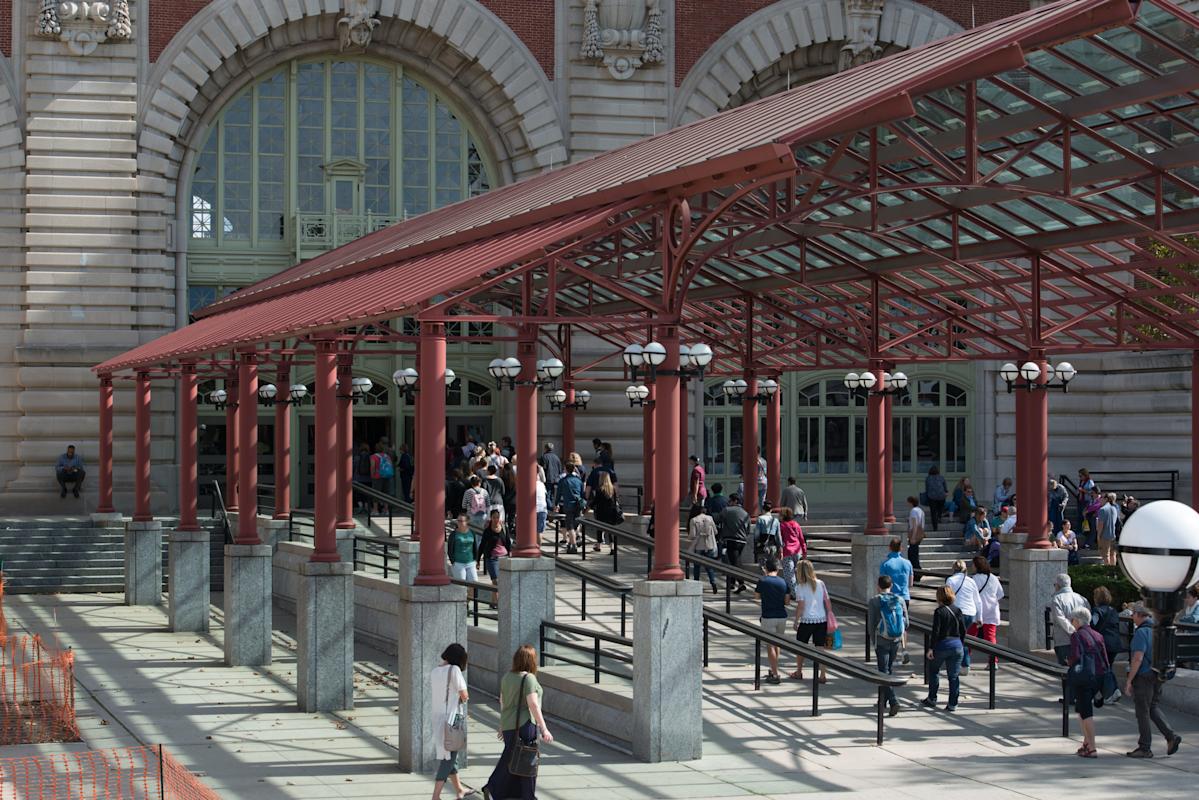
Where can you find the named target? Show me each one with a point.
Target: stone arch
(800, 37)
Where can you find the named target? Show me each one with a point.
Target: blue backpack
(386, 468)
(891, 623)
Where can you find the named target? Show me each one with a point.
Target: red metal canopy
(1016, 186)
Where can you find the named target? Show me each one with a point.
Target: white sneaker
(1114, 697)
(964, 670)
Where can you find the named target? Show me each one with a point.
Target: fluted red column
(188, 464)
(282, 443)
(141, 472)
(527, 544)
(568, 420)
(1033, 503)
(683, 467)
(888, 461)
(345, 441)
(104, 457)
(774, 446)
(648, 442)
(231, 448)
(247, 449)
(667, 487)
(876, 457)
(430, 456)
(328, 460)
(749, 445)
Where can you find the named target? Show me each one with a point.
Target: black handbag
(526, 757)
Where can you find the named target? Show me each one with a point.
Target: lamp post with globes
(1159, 552)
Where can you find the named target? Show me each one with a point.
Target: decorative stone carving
(623, 34)
(358, 25)
(862, 18)
(84, 24)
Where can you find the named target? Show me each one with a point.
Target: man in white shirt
(915, 535)
(1007, 519)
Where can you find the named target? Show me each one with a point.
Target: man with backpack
(887, 621)
(382, 471)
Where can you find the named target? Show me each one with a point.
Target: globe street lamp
(1029, 372)
(1159, 552)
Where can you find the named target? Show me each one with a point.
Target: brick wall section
(166, 18)
(6, 27)
(531, 20)
(702, 22)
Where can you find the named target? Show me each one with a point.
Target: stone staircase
(68, 554)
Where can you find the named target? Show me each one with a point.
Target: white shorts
(776, 626)
(464, 572)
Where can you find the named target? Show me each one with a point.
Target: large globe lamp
(1159, 552)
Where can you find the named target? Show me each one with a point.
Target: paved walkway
(239, 728)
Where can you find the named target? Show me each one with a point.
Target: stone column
(526, 600)
(1030, 573)
(667, 488)
(668, 674)
(189, 580)
(431, 618)
(143, 563)
(867, 552)
(247, 605)
(325, 637)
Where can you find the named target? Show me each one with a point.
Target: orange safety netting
(37, 689)
(132, 773)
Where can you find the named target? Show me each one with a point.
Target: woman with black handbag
(1088, 664)
(449, 719)
(521, 725)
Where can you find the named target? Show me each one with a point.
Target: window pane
(204, 195)
(734, 466)
(714, 444)
(901, 444)
(836, 445)
(415, 112)
(810, 395)
(808, 452)
(929, 393)
(835, 394)
(310, 137)
(478, 394)
(714, 395)
(237, 164)
(954, 395)
(955, 444)
(859, 444)
(200, 296)
(928, 443)
(270, 158)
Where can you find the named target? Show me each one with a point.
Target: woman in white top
(702, 530)
(541, 502)
(448, 693)
(990, 592)
(811, 614)
(965, 599)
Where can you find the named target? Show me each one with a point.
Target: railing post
(705, 641)
(540, 640)
(924, 658)
(615, 547)
(992, 666)
(728, 594)
(390, 532)
(1065, 708)
(597, 658)
(757, 663)
(623, 597)
(583, 540)
(355, 553)
(584, 580)
(815, 688)
(878, 712)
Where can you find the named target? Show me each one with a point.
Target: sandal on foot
(796, 676)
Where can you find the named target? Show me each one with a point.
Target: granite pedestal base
(272, 531)
(143, 563)
(345, 545)
(407, 561)
(247, 605)
(667, 670)
(113, 519)
(325, 637)
(188, 579)
(526, 600)
(431, 618)
(1030, 575)
(867, 552)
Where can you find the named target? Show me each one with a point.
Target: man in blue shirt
(772, 591)
(69, 469)
(899, 570)
(1145, 688)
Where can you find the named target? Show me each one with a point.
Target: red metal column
(105, 455)
(527, 544)
(876, 456)
(774, 446)
(888, 462)
(1195, 429)
(667, 489)
(684, 422)
(188, 465)
(430, 456)
(141, 473)
(749, 445)
(328, 460)
(231, 460)
(1020, 398)
(648, 442)
(1033, 504)
(568, 420)
(247, 449)
(282, 443)
(345, 441)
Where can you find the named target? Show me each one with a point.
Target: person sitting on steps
(69, 469)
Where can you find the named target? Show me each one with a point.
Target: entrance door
(459, 428)
(366, 429)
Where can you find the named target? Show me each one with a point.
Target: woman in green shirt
(518, 716)
(461, 548)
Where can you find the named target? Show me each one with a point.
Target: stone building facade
(155, 154)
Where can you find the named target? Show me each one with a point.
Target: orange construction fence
(37, 689)
(132, 773)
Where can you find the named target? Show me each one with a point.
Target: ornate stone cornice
(84, 24)
(623, 34)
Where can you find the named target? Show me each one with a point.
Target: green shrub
(1085, 578)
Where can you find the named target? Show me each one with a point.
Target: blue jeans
(884, 651)
(949, 657)
(967, 620)
(712, 554)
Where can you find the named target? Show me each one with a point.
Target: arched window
(929, 427)
(322, 151)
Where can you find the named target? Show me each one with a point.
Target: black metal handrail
(297, 517)
(218, 504)
(818, 656)
(602, 581)
(390, 502)
(472, 598)
(1144, 485)
(595, 650)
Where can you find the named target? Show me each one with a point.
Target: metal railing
(1144, 485)
(818, 656)
(219, 513)
(472, 599)
(390, 502)
(298, 518)
(596, 652)
(603, 582)
(638, 493)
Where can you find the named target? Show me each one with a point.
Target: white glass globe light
(552, 368)
(701, 355)
(729, 388)
(298, 392)
(852, 380)
(218, 396)
(654, 354)
(558, 396)
(868, 380)
(495, 368)
(633, 355)
(1009, 372)
(511, 367)
(900, 380)
(267, 391)
(768, 386)
(1066, 371)
(583, 397)
(1161, 525)
(684, 356)
(405, 377)
(1029, 371)
(360, 385)
(740, 386)
(450, 376)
